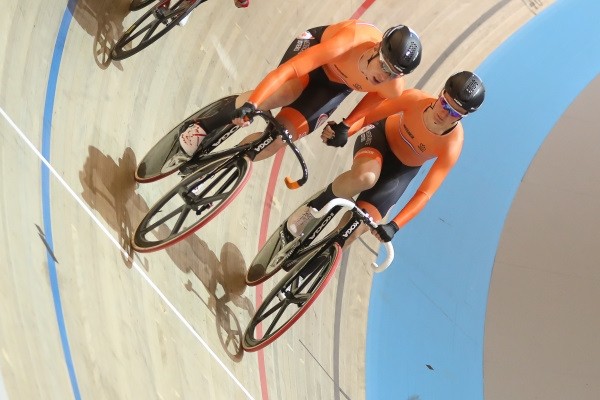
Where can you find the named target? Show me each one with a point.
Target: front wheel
(292, 296)
(192, 203)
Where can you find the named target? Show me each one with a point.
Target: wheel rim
(163, 159)
(166, 156)
(269, 260)
(276, 316)
(191, 204)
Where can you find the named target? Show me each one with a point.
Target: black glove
(386, 231)
(244, 111)
(341, 134)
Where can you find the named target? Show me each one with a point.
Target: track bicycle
(311, 260)
(211, 179)
(152, 25)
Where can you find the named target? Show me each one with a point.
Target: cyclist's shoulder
(359, 30)
(415, 94)
(416, 99)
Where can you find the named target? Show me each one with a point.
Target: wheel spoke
(191, 203)
(315, 282)
(131, 38)
(167, 217)
(151, 28)
(268, 313)
(184, 213)
(275, 320)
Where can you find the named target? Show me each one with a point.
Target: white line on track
(136, 266)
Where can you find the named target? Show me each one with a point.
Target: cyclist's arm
(373, 108)
(355, 120)
(436, 175)
(303, 63)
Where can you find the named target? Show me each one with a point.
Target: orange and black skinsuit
(325, 60)
(401, 143)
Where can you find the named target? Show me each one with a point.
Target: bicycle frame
(340, 236)
(274, 130)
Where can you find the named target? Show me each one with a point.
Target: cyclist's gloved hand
(243, 112)
(386, 231)
(341, 134)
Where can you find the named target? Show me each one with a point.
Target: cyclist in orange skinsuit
(320, 68)
(388, 154)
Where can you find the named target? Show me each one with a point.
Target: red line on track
(264, 226)
(361, 10)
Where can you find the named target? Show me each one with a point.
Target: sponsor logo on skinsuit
(306, 35)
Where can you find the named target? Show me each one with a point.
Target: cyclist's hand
(240, 116)
(241, 3)
(386, 232)
(335, 135)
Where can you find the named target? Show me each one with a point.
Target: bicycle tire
(157, 28)
(164, 157)
(327, 260)
(139, 4)
(218, 183)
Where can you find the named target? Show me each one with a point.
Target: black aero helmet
(466, 89)
(401, 49)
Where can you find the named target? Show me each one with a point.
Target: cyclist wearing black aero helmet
(400, 49)
(320, 68)
(407, 131)
(466, 89)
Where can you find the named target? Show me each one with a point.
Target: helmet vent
(410, 52)
(472, 86)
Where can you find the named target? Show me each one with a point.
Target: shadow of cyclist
(224, 278)
(103, 20)
(109, 188)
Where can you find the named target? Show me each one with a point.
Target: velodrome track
(80, 319)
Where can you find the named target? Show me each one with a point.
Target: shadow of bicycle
(109, 189)
(103, 20)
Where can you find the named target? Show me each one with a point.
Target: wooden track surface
(126, 341)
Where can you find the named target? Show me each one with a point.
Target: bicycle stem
(363, 217)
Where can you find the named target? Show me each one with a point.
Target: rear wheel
(292, 296)
(151, 26)
(166, 156)
(192, 203)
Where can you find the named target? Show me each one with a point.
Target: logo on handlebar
(320, 228)
(351, 229)
(264, 144)
(225, 136)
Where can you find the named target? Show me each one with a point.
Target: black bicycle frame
(251, 150)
